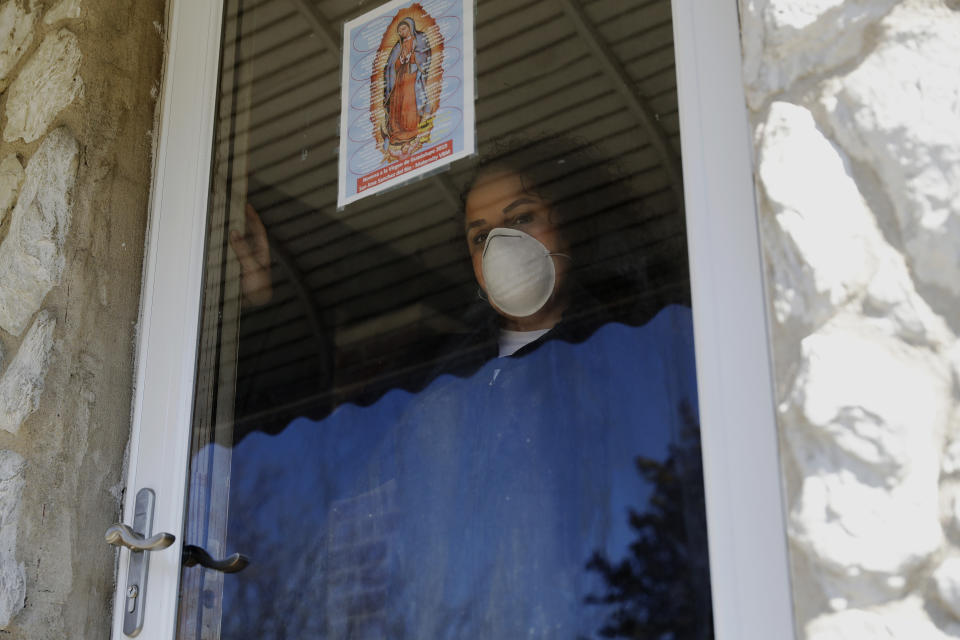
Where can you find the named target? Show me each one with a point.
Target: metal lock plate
(139, 560)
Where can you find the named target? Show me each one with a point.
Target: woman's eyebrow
(516, 203)
(476, 223)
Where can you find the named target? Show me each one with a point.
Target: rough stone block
(822, 243)
(947, 580)
(866, 422)
(784, 40)
(900, 620)
(892, 301)
(951, 463)
(22, 383)
(12, 574)
(11, 177)
(48, 82)
(16, 34)
(31, 256)
(66, 10)
(821, 240)
(897, 112)
(953, 515)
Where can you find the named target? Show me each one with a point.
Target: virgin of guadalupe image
(410, 78)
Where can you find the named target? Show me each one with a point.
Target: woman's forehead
(494, 191)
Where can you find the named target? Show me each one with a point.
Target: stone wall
(76, 116)
(856, 112)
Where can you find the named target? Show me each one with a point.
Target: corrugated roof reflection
(388, 268)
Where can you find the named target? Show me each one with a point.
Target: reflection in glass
(480, 507)
(465, 408)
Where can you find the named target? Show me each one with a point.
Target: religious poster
(406, 94)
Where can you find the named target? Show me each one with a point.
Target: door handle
(194, 555)
(139, 540)
(121, 535)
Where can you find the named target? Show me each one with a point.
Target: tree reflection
(661, 590)
(355, 568)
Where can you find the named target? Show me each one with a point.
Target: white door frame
(748, 554)
(745, 515)
(170, 300)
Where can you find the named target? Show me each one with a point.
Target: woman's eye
(480, 238)
(523, 218)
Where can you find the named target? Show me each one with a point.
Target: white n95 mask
(518, 272)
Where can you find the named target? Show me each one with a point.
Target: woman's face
(499, 199)
(404, 30)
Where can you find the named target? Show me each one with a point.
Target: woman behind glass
(551, 489)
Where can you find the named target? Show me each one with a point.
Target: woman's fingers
(241, 246)
(260, 245)
(253, 252)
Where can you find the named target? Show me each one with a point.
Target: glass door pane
(464, 407)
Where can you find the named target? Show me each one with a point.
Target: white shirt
(513, 341)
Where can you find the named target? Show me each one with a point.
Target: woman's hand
(253, 251)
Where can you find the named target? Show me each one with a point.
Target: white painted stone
(821, 239)
(785, 40)
(892, 302)
(13, 588)
(902, 620)
(951, 458)
(44, 87)
(953, 519)
(16, 34)
(21, 385)
(822, 242)
(947, 580)
(66, 10)
(866, 421)
(897, 112)
(31, 256)
(869, 411)
(11, 177)
(954, 355)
